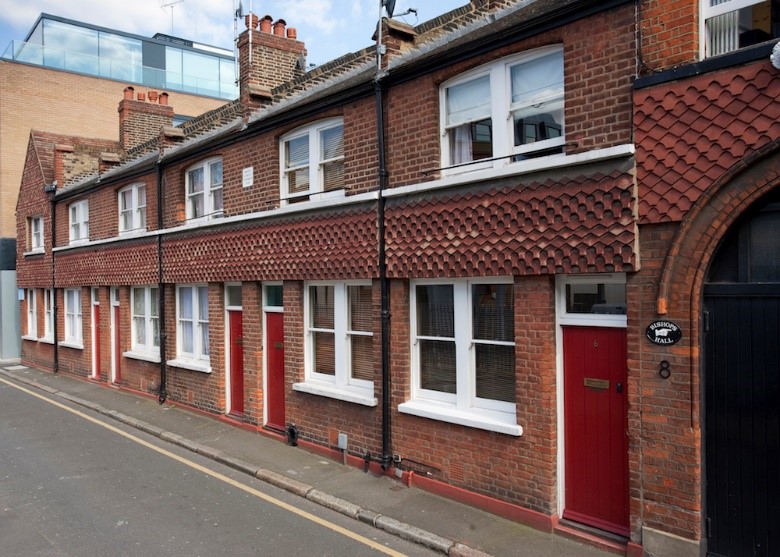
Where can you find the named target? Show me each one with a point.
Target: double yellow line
(216, 475)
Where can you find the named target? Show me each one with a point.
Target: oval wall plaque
(663, 332)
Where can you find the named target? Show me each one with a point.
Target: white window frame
(198, 359)
(148, 348)
(48, 315)
(708, 12)
(588, 319)
(135, 211)
(316, 162)
(213, 194)
(501, 111)
(35, 225)
(342, 385)
(78, 221)
(73, 318)
(32, 314)
(463, 407)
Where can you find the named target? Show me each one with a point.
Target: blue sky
(329, 28)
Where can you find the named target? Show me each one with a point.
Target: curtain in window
(436, 318)
(155, 317)
(203, 318)
(538, 80)
(215, 174)
(361, 320)
(185, 319)
(297, 164)
(196, 184)
(492, 318)
(139, 315)
(322, 317)
(141, 206)
(468, 102)
(332, 147)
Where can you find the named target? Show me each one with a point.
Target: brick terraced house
(527, 257)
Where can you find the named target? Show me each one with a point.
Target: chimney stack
(141, 120)
(268, 57)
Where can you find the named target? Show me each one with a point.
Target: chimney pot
(265, 24)
(164, 99)
(153, 96)
(129, 92)
(141, 96)
(279, 27)
(251, 21)
(292, 33)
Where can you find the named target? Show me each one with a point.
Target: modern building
(529, 260)
(65, 77)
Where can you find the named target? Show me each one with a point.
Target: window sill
(46, 340)
(331, 391)
(144, 356)
(192, 365)
(38, 251)
(452, 415)
(30, 337)
(79, 242)
(71, 344)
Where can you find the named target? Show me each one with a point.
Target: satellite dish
(389, 7)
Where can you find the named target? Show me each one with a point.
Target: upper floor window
(733, 24)
(79, 221)
(204, 190)
(35, 234)
(132, 208)
(504, 112)
(312, 161)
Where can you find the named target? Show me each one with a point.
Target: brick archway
(710, 218)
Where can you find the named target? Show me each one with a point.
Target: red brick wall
(670, 34)
(320, 419)
(598, 65)
(518, 470)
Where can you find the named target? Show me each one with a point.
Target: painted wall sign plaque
(663, 332)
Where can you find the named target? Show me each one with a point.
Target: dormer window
(504, 112)
(79, 221)
(132, 209)
(312, 161)
(733, 24)
(204, 190)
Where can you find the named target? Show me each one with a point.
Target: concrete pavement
(447, 526)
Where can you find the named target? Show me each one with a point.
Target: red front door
(96, 341)
(236, 363)
(117, 346)
(274, 342)
(596, 441)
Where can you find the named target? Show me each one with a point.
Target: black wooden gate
(742, 351)
(742, 389)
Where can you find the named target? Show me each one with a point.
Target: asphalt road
(72, 484)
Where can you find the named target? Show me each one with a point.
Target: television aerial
(170, 4)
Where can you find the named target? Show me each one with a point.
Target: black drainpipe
(383, 282)
(52, 190)
(161, 285)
